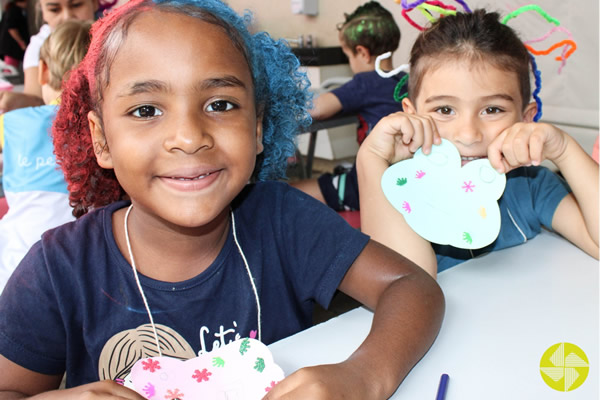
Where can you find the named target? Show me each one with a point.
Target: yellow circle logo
(564, 367)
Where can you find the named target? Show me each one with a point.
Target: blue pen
(441, 394)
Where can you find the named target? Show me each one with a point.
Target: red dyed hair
(90, 186)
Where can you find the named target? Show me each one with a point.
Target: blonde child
(35, 187)
(366, 33)
(172, 238)
(469, 83)
(53, 13)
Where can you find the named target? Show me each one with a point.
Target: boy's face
(56, 11)
(179, 117)
(471, 104)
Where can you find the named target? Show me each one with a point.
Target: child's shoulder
(81, 238)
(534, 191)
(37, 114)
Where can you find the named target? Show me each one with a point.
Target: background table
(313, 129)
(503, 310)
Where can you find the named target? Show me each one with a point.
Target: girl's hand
(525, 144)
(324, 382)
(397, 136)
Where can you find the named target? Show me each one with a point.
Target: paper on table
(444, 202)
(243, 370)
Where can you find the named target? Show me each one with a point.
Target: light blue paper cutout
(444, 202)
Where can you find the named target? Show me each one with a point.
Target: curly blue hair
(281, 95)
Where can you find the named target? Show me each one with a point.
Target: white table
(503, 311)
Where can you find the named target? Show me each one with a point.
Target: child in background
(469, 83)
(34, 186)
(194, 250)
(53, 13)
(14, 33)
(365, 34)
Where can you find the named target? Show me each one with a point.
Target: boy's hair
(477, 36)
(371, 26)
(64, 49)
(280, 91)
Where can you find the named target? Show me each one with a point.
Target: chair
(351, 217)
(3, 206)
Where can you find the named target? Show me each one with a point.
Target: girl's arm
(393, 139)
(17, 382)
(576, 217)
(14, 33)
(32, 86)
(409, 308)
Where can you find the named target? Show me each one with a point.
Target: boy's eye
(444, 110)
(220, 106)
(492, 110)
(146, 112)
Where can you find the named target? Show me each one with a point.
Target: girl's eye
(444, 110)
(220, 106)
(492, 110)
(146, 112)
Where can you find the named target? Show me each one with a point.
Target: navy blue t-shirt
(73, 305)
(370, 96)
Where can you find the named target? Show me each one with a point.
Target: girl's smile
(190, 181)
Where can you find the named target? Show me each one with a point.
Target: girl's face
(179, 119)
(56, 11)
(471, 104)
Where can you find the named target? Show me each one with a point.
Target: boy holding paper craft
(469, 84)
(171, 240)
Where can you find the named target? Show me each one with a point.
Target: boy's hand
(397, 136)
(525, 144)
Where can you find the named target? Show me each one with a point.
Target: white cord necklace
(139, 285)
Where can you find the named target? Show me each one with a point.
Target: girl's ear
(530, 112)
(101, 150)
(259, 134)
(43, 73)
(408, 106)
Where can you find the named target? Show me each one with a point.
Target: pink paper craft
(242, 370)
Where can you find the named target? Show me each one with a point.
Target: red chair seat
(352, 217)
(3, 206)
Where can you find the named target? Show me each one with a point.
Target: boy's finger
(429, 132)
(520, 151)
(495, 155)
(536, 149)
